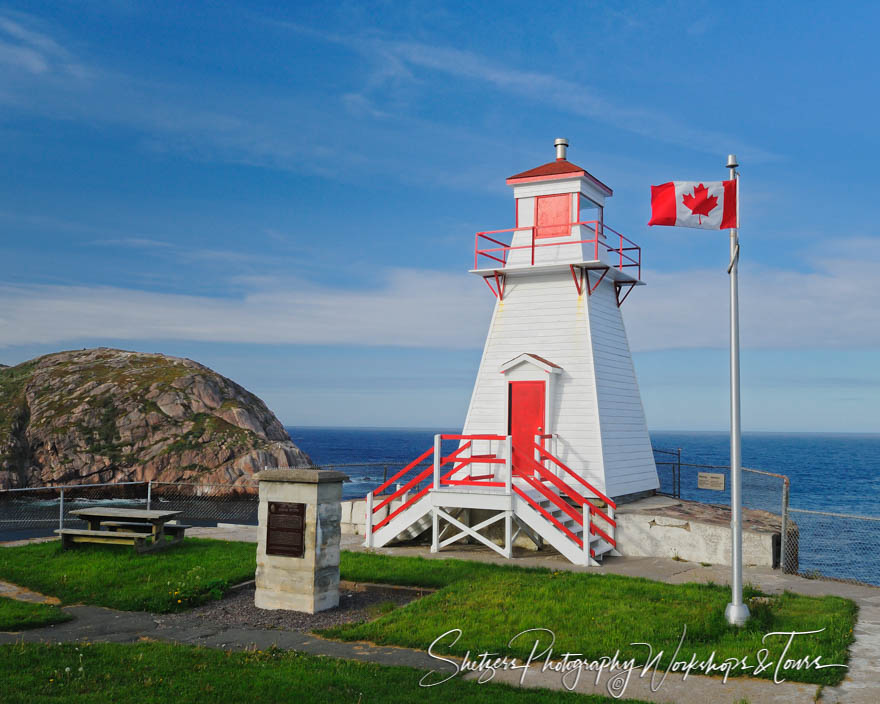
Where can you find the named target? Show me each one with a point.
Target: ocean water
(828, 472)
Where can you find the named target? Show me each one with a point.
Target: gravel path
(357, 602)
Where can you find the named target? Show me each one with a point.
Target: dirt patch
(357, 602)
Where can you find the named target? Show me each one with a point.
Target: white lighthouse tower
(557, 360)
(555, 434)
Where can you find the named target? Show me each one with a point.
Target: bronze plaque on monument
(286, 529)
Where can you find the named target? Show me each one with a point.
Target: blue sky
(288, 192)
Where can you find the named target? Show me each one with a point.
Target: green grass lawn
(158, 673)
(18, 615)
(116, 576)
(593, 614)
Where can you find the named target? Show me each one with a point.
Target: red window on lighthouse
(553, 215)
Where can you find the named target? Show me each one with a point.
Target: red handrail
(454, 456)
(540, 509)
(472, 482)
(580, 500)
(458, 464)
(578, 477)
(403, 506)
(576, 516)
(406, 487)
(403, 471)
(473, 437)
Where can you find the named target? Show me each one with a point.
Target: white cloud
(833, 306)
(397, 62)
(23, 48)
(412, 309)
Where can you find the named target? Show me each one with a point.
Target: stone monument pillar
(298, 539)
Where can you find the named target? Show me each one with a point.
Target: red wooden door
(525, 420)
(553, 215)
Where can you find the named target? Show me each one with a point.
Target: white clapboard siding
(626, 446)
(596, 410)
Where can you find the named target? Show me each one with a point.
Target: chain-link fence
(37, 512)
(710, 483)
(32, 512)
(833, 545)
(815, 544)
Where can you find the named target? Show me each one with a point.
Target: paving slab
(13, 591)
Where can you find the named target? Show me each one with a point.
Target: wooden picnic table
(145, 529)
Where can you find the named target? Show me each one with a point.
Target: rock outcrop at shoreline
(106, 415)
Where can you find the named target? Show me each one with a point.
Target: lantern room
(559, 221)
(557, 195)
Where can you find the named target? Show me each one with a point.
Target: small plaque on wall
(710, 480)
(286, 529)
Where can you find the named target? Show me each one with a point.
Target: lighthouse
(555, 433)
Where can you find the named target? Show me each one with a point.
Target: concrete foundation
(661, 526)
(309, 583)
(655, 526)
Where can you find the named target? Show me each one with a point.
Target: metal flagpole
(736, 613)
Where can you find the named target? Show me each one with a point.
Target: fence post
(61, 511)
(783, 542)
(369, 520)
(677, 478)
(149, 493)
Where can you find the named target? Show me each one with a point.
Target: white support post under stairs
(586, 535)
(369, 541)
(435, 517)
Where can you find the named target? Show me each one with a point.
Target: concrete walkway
(862, 685)
(13, 591)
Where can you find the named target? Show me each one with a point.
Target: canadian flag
(710, 205)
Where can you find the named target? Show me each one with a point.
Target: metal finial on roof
(561, 145)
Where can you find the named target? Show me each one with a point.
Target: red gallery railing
(628, 254)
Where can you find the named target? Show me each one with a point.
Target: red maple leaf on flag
(699, 202)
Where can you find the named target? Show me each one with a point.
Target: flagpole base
(736, 614)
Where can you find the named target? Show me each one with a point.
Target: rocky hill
(105, 415)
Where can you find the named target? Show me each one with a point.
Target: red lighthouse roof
(561, 168)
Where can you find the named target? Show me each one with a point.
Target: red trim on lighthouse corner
(728, 216)
(663, 204)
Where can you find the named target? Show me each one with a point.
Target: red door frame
(538, 422)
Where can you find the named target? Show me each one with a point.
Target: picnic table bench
(146, 530)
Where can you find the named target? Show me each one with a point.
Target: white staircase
(543, 505)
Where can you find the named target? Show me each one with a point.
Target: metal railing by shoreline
(839, 546)
(38, 511)
(812, 543)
